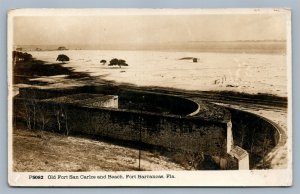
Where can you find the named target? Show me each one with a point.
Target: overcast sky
(151, 29)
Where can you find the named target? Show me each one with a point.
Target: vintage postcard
(149, 97)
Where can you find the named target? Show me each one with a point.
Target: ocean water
(250, 73)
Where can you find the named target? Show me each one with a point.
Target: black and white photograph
(149, 97)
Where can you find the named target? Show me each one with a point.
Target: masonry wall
(175, 132)
(166, 131)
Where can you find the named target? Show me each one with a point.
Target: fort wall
(161, 120)
(169, 131)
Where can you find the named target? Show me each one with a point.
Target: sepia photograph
(149, 97)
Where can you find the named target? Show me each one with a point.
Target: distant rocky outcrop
(61, 48)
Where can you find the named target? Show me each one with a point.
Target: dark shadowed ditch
(255, 134)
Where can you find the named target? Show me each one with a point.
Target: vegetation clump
(103, 61)
(20, 56)
(117, 62)
(62, 58)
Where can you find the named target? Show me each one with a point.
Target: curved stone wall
(171, 127)
(128, 99)
(165, 120)
(256, 134)
(157, 103)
